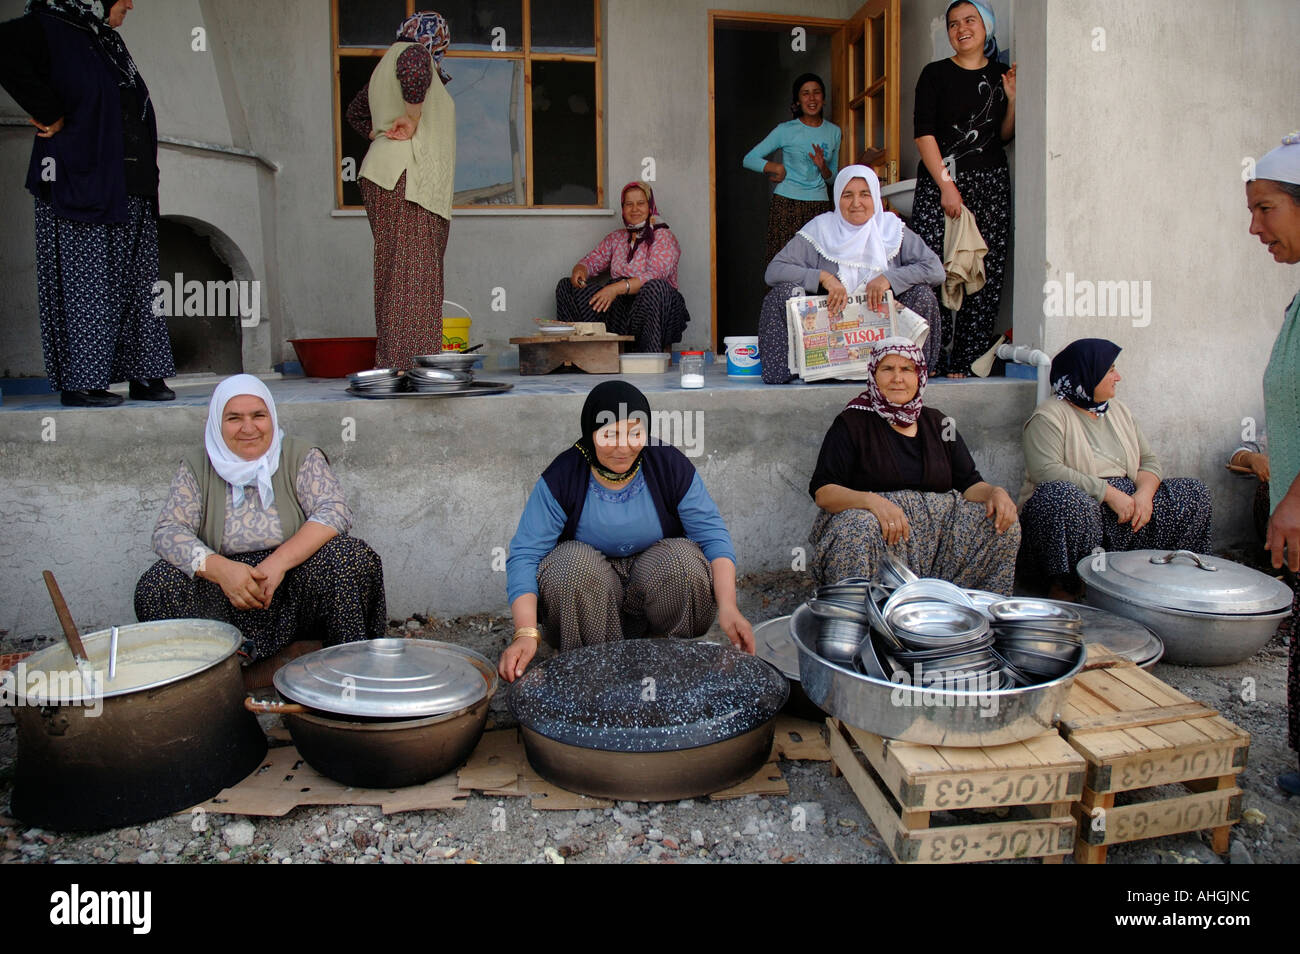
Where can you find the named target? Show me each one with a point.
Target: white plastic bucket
(742, 356)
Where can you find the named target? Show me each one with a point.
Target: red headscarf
(645, 232)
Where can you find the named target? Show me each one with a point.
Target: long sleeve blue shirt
(795, 139)
(618, 523)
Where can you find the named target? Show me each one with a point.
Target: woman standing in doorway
(965, 111)
(810, 148)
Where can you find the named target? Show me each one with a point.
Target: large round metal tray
(647, 695)
(922, 714)
(475, 387)
(1119, 634)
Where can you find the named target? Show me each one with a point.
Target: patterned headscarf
(1079, 368)
(430, 29)
(645, 232)
(92, 15)
(902, 415)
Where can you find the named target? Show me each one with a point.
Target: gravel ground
(829, 825)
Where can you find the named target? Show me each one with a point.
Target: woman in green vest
(406, 182)
(1273, 198)
(255, 533)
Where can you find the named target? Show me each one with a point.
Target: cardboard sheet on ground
(799, 740)
(284, 781)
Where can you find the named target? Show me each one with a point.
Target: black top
(863, 453)
(962, 109)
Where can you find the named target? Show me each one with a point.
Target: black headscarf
(92, 16)
(795, 108)
(608, 403)
(1079, 368)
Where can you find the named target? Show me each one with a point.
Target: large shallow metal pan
(648, 719)
(474, 388)
(773, 645)
(915, 714)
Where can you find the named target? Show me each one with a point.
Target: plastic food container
(653, 362)
(692, 368)
(742, 356)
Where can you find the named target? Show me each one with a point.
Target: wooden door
(868, 69)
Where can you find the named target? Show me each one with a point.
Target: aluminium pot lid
(774, 644)
(384, 678)
(648, 695)
(1182, 580)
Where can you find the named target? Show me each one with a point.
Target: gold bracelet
(532, 631)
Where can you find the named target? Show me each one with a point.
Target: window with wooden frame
(526, 81)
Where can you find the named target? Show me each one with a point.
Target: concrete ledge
(436, 485)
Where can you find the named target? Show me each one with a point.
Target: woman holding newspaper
(857, 249)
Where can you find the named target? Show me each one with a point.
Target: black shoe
(154, 389)
(94, 398)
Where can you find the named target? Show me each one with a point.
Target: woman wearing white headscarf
(255, 533)
(1273, 197)
(857, 249)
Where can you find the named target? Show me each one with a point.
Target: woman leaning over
(619, 540)
(893, 473)
(406, 182)
(810, 149)
(1273, 197)
(1091, 478)
(254, 533)
(857, 249)
(629, 280)
(94, 174)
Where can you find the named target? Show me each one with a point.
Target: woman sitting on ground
(1092, 480)
(629, 280)
(619, 540)
(895, 474)
(255, 533)
(857, 249)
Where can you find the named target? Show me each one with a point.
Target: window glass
(564, 133)
(370, 22)
(564, 26)
(491, 163)
(485, 24)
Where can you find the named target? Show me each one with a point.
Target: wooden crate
(1137, 733)
(595, 354)
(901, 785)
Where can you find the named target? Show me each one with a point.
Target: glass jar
(692, 366)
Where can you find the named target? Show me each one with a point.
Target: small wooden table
(594, 354)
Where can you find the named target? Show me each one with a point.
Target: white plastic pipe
(1023, 354)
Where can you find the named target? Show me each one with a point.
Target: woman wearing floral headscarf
(406, 182)
(893, 473)
(629, 280)
(1091, 479)
(94, 175)
(255, 533)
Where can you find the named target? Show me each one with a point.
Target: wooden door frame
(742, 18)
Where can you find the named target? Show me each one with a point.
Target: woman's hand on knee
(1119, 502)
(578, 277)
(517, 657)
(241, 583)
(893, 522)
(1001, 509)
(1143, 508)
(737, 628)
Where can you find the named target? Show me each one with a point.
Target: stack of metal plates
(450, 360)
(438, 380)
(378, 381)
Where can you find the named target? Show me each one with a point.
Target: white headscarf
(861, 252)
(234, 470)
(1283, 163)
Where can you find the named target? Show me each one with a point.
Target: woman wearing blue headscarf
(1091, 478)
(965, 110)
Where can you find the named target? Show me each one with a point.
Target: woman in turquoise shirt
(810, 148)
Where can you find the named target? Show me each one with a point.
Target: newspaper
(822, 346)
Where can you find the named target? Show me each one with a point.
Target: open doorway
(754, 63)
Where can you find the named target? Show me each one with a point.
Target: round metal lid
(648, 695)
(384, 678)
(773, 643)
(1182, 580)
(1121, 635)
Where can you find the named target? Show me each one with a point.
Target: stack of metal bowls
(448, 360)
(947, 642)
(1037, 640)
(378, 381)
(841, 611)
(437, 380)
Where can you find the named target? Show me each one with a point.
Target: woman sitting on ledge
(1091, 479)
(629, 280)
(857, 249)
(893, 473)
(254, 533)
(619, 539)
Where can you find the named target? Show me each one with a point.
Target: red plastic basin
(334, 357)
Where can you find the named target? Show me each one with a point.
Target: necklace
(604, 473)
